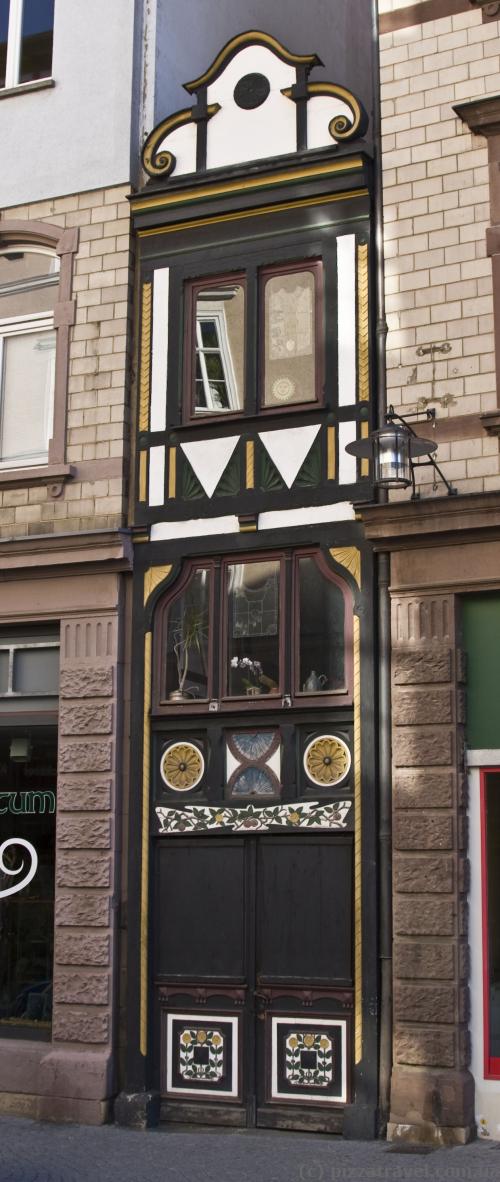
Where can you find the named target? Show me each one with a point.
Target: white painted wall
(79, 134)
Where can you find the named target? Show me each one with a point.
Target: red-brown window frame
(342, 696)
(189, 387)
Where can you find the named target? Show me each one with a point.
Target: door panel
(254, 979)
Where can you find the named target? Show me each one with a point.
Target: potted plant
(251, 674)
(189, 637)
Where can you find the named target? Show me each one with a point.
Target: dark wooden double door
(253, 978)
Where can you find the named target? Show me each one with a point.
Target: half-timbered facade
(252, 967)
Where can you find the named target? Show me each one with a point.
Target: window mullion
(14, 38)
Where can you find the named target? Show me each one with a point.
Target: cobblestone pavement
(31, 1152)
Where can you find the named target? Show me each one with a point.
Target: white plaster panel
(78, 134)
(312, 515)
(288, 449)
(182, 142)
(347, 463)
(234, 135)
(209, 459)
(157, 476)
(231, 763)
(346, 303)
(274, 763)
(159, 360)
(321, 109)
(199, 527)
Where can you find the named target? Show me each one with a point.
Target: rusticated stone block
(85, 757)
(422, 666)
(461, 664)
(82, 910)
(464, 1047)
(417, 707)
(425, 1003)
(461, 707)
(418, 961)
(424, 917)
(423, 1046)
(88, 1026)
(464, 875)
(463, 831)
(84, 795)
(414, 832)
(423, 789)
(86, 718)
(422, 746)
(80, 988)
(75, 870)
(79, 833)
(463, 960)
(86, 681)
(445, 1098)
(417, 875)
(82, 948)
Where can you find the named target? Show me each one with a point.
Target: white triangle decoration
(289, 448)
(209, 459)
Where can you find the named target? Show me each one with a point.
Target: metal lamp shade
(391, 456)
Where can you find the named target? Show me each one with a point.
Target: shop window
(258, 631)
(490, 827)
(26, 33)
(29, 278)
(227, 340)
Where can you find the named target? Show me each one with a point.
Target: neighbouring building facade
(440, 81)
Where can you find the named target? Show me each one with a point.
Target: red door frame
(491, 1063)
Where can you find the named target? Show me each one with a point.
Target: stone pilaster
(432, 1090)
(85, 863)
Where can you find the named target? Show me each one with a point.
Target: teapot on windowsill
(314, 682)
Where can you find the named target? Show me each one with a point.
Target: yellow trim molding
(252, 37)
(143, 469)
(363, 337)
(250, 464)
(365, 463)
(246, 184)
(172, 471)
(350, 558)
(358, 948)
(330, 453)
(164, 163)
(197, 223)
(152, 578)
(147, 294)
(146, 759)
(339, 127)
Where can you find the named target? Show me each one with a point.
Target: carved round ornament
(251, 91)
(327, 760)
(283, 389)
(182, 766)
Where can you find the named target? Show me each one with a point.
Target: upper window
(26, 31)
(257, 630)
(225, 337)
(29, 279)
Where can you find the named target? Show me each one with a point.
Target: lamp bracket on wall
(394, 450)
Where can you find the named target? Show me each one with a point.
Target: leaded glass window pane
(253, 642)
(321, 631)
(187, 655)
(290, 338)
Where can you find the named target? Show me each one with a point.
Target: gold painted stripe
(247, 184)
(330, 453)
(143, 1040)
(358, 961)
(363, 341)
(250, 466)
(254, 37)
(365, 463)
(154, 576)
(147, 292)
(350, 558)
(143, 467)
(196, 223)
(172, 471)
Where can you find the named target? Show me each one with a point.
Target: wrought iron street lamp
(394, 449)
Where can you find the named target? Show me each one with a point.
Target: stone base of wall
(64, 1085)
(431, 1107)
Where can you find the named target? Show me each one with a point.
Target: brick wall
(436, 211)
(97, 398)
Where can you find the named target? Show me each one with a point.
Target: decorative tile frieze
(200, 1055)
(201, 818)
(308, 1060)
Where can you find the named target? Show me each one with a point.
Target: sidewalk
(31, 1152)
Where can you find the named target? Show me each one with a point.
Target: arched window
(29, 278)
(36, 313)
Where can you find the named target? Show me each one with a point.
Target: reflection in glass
(492, 873)
(290, 339)
(4, 28)
(321, 625)
(253, 628)
(28, 789)
(28, 282)
(220, 343)
(36, 44)
(27, 389)
(187, 641)
(253, 781)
